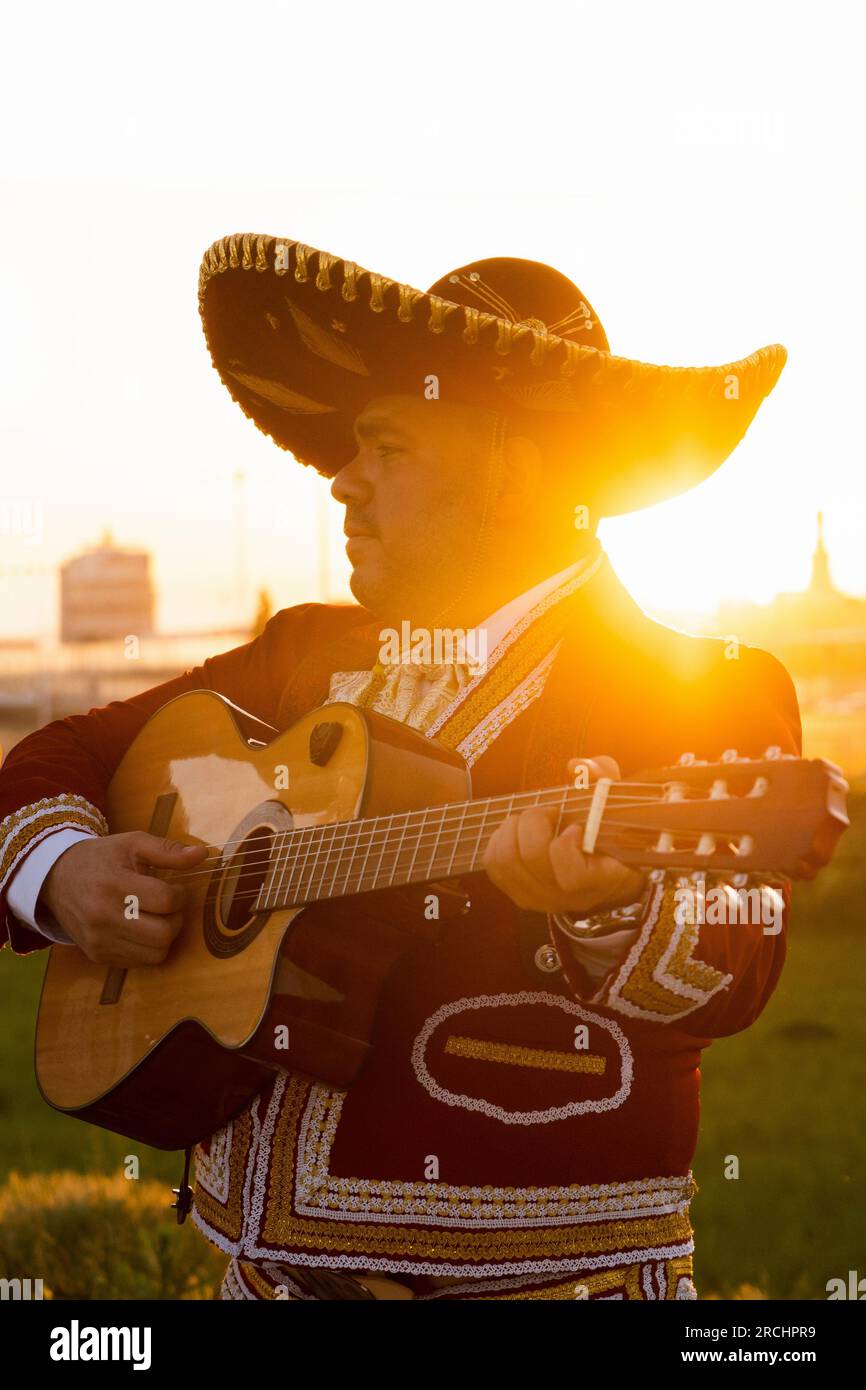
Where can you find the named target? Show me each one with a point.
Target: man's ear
(522, 479)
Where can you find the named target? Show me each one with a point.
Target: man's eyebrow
(368, 426)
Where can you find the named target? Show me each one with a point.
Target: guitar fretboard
(360, 856)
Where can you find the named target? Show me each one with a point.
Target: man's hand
(544, 872)
(87, 887)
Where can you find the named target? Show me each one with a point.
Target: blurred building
(106, 593)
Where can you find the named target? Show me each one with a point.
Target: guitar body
(167, 1054)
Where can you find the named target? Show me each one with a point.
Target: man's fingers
(160, 853)
(534, 836)
(504, 862)
(150, 937)
(152, 894)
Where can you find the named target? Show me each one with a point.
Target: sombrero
(303, 339)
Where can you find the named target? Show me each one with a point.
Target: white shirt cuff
(599, 954)
(27, 881)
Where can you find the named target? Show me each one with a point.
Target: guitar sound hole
(244, 878)
(230, 920)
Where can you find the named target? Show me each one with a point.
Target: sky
(695, 169)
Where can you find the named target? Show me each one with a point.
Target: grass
(785, 1098)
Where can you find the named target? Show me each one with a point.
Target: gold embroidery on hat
(318, 340)
(578, 321)
(221, 254)
(261, 252)
(233, 252)
(439, 311)
(470, 332)
(476, 319)
(572, 358)
(326, 262)
(408, 299)
(351, 271)
(302, 252)
(508, 334)
(246, 251)
(293, 402)
(540, 345)
(489, 296)
(378, 285)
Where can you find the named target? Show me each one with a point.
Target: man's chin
(369, 588)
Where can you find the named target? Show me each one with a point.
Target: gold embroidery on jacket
(545, 1059)
(660, 979)
(20, 830)
(613, 1219)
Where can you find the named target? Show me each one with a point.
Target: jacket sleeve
(58, 777)
(708, 966)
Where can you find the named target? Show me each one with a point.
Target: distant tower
(821, 584)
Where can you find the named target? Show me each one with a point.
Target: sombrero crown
(303, 339)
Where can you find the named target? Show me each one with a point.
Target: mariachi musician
(525, 1123)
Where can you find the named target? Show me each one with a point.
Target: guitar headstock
(776, 814)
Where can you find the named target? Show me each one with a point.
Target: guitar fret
(298, 862)
(378, 867)
(457, 831)
(310, 869)
(280, 861)
(366, 857)
(435, 848)
(419, 838)
(340, 852)
(477, 846)
(399, 847)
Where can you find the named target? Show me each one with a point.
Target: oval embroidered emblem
(580, 1063)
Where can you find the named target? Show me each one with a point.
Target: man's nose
(352, 481)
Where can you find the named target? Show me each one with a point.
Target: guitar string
(365, 838)
(461, 865)
(482, 807)
(376, 828)
(300, 862)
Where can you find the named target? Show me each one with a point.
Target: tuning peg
(706, 844)
(730, 756)
(719, 790)
(760, 788)
(774, 751)
(686, 759)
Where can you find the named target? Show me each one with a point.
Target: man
(524, 1125)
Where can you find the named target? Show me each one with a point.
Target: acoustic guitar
(270, 969)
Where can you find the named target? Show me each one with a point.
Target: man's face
(414, 497)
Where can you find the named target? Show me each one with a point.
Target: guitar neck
(360, 856)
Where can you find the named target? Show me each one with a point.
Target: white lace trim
(522, 1117)
(535, 1267)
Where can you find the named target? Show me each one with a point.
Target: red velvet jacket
(621, 685)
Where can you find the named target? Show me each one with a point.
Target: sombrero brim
(303, 339)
